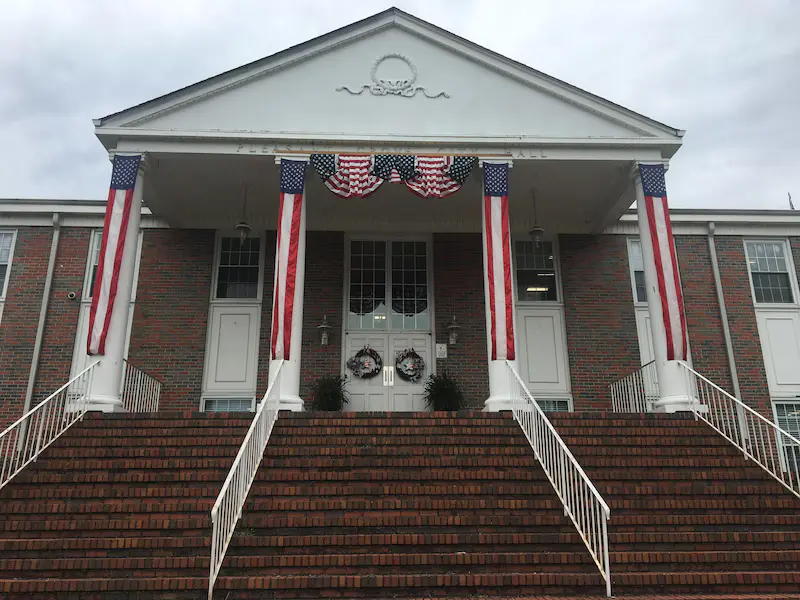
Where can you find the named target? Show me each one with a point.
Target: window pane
(367, 300)
(237, 276)
(641, 289)
(772, 288)
(5, 247)
(636, 258)
(409, 286)
(228, 404)
(536, 274)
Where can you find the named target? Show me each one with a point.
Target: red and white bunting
(112, 248)
(497, 253)
(666, 262)
(285, 289)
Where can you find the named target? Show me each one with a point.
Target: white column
(673, 387)
(289, 396)
(107, 378)
(501, 383)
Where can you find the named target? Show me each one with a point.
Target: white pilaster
(674, 395)
(107, 378)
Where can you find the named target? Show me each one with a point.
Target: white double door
(388, 309)
(388, 391)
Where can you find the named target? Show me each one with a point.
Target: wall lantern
(324, 331)
(242, 228)
(536, 232)
(452, 331)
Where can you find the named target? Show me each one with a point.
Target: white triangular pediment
(327, 88)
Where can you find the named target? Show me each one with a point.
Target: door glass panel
(367, 306)
(409, 288)
(536, 271)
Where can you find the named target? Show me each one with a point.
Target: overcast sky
(726, 71)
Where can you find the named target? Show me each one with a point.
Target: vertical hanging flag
(497, 240)
(669, 285)
(112, 247)
(288, 244)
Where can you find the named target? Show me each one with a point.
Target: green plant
(329, 393)
(442, 392)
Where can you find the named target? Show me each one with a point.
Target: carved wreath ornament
(393, 87)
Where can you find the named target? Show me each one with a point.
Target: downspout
(48, 284)
(723, 312)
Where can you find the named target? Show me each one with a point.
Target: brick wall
(703, 319)
(168, 338)
(458, 290)
(598, 310)
(742, 320)
(20, 318)
(61, 324)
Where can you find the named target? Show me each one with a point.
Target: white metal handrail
(636, 392)
(762, 441)
(228, 507)
(140, 391)
(25, 439)
(583, 504)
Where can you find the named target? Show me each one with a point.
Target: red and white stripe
(669, 285)
(432, 181)
(285, 289)
(497, 248)
(353, 177)
(112, 248)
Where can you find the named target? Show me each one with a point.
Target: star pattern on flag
(324, 165)
(461, 168)
(395, 167)
(495, 179)
(292, 176)
(123, 174)
(653, 182)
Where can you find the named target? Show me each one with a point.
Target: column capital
(144, 164)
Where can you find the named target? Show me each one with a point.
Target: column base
(105, 404)
(674, 404)
(291, 403)
(501, 403)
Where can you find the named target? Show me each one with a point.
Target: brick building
(490, 236)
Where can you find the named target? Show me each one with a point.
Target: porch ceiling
(204, 191)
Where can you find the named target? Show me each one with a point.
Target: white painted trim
(629, 243)
(13, 233)
(261, 235)
(787, 250)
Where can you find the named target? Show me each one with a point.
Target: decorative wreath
(409, 365)
(366, 363)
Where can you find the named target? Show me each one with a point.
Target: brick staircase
(402, 505)
(689, 514)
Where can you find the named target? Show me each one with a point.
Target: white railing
(583, 504)
(228, 507)
(23, 441)
(762, 441)
(140, 391)
(636, 392)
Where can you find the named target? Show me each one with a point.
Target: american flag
(112, 247)
(440, 176)
(285, 292)
(347, 175)
(497, 255)
(666, 263)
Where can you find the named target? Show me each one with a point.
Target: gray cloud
(727, 71)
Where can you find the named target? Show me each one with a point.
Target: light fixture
(538, 289)
(324, 331)
(536, 232)
(242, 227)
(452, 331)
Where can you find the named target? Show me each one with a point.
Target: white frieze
(393, 87)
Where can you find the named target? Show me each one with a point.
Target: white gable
(482, 97)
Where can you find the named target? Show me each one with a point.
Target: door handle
(391, 376)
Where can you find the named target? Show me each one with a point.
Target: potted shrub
(328, 393)
(443, 393)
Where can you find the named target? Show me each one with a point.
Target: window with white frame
(228, 404)
(536, 271)
(787, 417)
(7, 239)
(769, 266)
(554, 404)
(636, 262)
(94, 259)
(238, 268)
